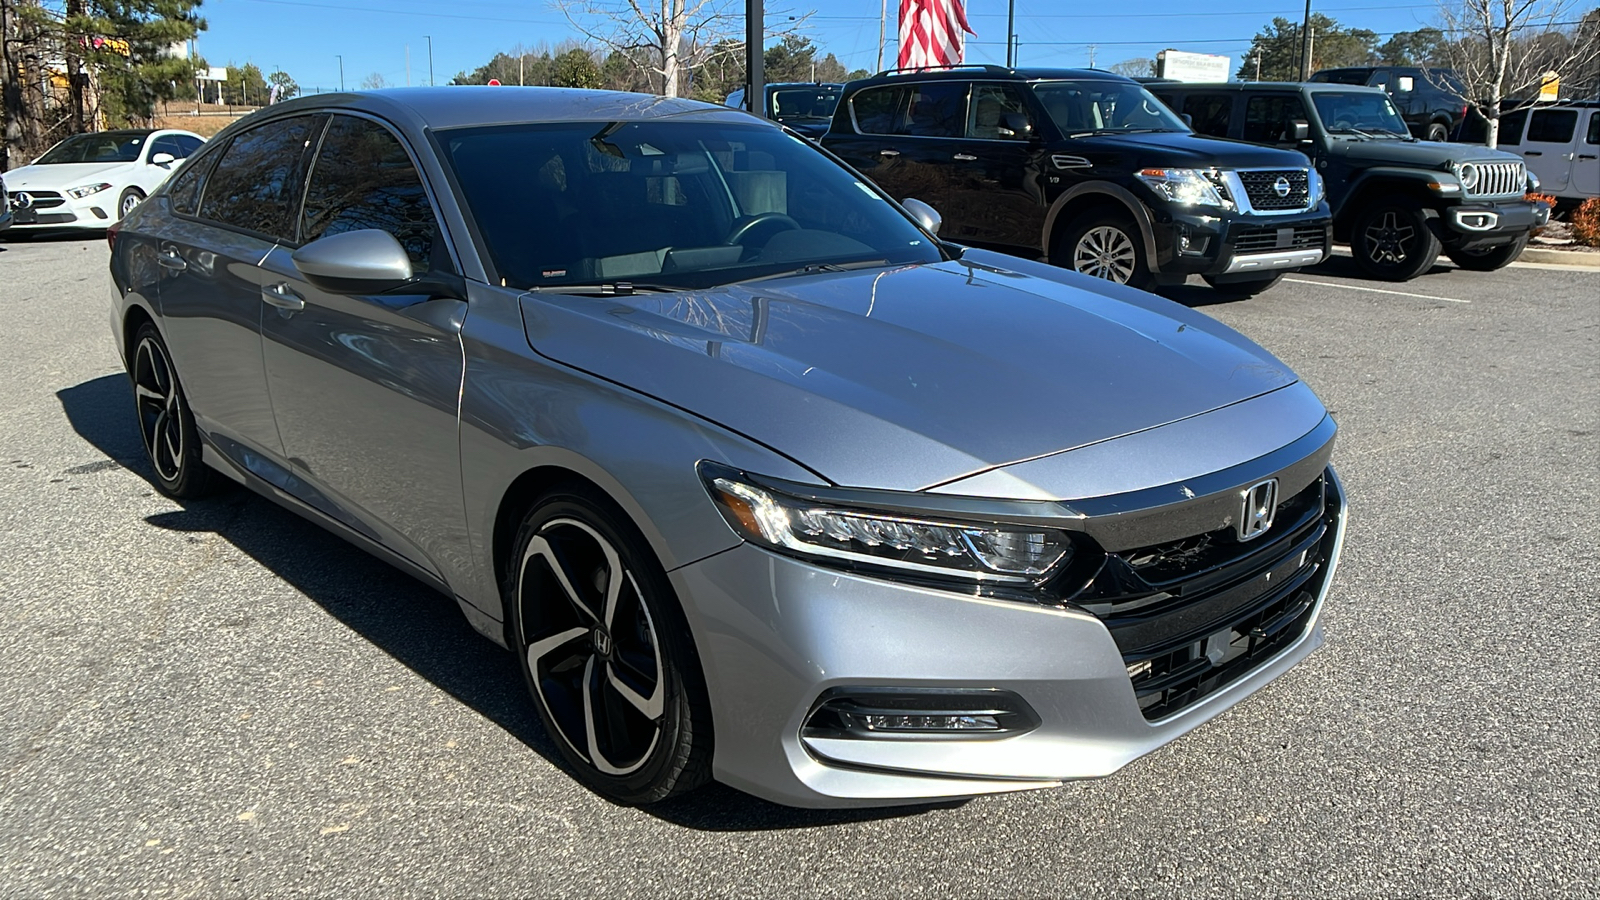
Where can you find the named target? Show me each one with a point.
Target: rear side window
(184, 194)
(1553, 126)
(256, 183)
(937, 109)
(1594, 128)
(1511, 127)
(1211, 112)
(990, 103)
(877, 110)
(363, 178)
(1267, 117)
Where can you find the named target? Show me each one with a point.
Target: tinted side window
(1553, 126)
(989, 103)
(937, 109)
(1594, 128)
(877, 110)
(184, 194)
(1211, 112)
(362, 179)
(187, 144)
(256, 182)
(1511, 127)
(167, 143)
(1267, 117)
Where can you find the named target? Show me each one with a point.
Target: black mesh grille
(1297, 237)
(1262, 189)
(41, 199)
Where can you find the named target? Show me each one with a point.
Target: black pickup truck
(1398, 201)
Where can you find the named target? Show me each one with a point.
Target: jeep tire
(1392, 240)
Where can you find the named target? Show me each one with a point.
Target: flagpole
(1011, 34)
(883, 19)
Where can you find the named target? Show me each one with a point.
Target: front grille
(1499, 179)
(1261, 187)
(1295, 237)
(1191, 616)
(41, 199)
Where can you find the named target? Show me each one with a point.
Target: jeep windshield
(1359, 114)
(1105, 107)
(669, 205)
(810, 103)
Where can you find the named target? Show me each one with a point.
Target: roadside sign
(1550, 87)
(1180, 65)
(213, 74)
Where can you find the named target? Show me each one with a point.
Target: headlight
(1533, 181)
(1318, 189)
(1468, 173)
(78, 193)
(834, 534)
(1189, 187)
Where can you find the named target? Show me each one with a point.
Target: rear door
(227, 219)
(1586, 170)
(993, 191)
(872, 145)
(1550, 147)
(365, 388)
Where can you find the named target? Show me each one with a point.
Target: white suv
(1560, 144)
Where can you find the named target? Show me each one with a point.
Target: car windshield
(106, 147)
(1088, 107)
(669, 204)
(1359, 114)
(1343, 76)
(810, 102)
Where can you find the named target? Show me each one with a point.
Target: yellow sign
(1550, 87)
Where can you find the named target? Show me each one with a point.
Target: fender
(1122, 195)
(1412, 178)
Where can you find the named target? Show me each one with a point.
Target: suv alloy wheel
(1392, 240)
(1104, 245)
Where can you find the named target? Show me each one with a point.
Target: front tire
(606, 652)
(1243, 289)
(1489, 259)
(171, 440)
(1104, 245)
(130, 198)
(1391, 240)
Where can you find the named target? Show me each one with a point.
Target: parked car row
(89, 181)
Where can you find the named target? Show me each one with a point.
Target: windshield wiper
(1124, 131)
(608, 289)
(1355, 131)
(814, 268)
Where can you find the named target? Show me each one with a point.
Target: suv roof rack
(987, 67)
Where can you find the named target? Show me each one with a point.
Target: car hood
(61, 176)
(906, 378)
(1185, 150)
(1418, 154)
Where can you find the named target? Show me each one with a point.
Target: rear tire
(1104, 245)
(1490, 259)
(1437, 132)
(1391, 240)
(171, 440)
(1243, 289)
(606, 652)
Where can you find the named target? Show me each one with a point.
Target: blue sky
(305, 37)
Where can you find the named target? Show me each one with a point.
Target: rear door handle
(1532, 153)
(169, 259)
(1587, 156)
(965, 157)
(889, 153)
(283, 297)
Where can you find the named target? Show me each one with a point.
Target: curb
(1560, 257)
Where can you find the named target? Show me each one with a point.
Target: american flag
(931, 33)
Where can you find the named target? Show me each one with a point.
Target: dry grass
(205, 126)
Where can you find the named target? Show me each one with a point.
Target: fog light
(1138, 668)
(870, 713)
(930, 723)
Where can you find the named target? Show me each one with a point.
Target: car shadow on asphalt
(411, 622)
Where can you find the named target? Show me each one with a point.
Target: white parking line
(1357, 287)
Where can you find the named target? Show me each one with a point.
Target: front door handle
(169, 259)
(889, 153)
(283, 297)
(966, 157)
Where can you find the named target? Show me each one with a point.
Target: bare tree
(1139, 67)
(374, 82)
(667, 39)
(1502, 50)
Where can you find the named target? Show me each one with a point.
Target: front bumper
(1479, 224)
(94, 211)
(776, 634)
(1234, 247)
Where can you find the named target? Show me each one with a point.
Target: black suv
(1086, 169)
(1430, 100)
(1397, 200)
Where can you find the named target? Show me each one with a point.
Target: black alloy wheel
(171, 440)
(1104, 245)
(1489, 259)
(1243, 289)
(606, 652)
(1392, 240)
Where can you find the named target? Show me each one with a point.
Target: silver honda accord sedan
(760, 480)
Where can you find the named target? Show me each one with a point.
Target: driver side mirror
(1187, 119)
(1299, 130)
(926, 216)
(355, 262)
(163, 160)
(1015, 125)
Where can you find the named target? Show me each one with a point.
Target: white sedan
(92, 180)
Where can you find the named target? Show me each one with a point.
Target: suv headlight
(830, 533)
(1318, 188)
(1533, 181)
(82, 191)
(1468, 173)
(1189, 187)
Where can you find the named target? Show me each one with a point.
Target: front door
(365, 389)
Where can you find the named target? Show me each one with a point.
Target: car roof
(989, 73)
(1280, 86)
(469, 105)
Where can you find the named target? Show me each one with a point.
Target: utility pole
(430, 56)
(1305, 44)
(755, 90)
(1258, 65)
(1011, 34)
(1311, 45)
(883, 19)
(341, 71)
(1091, 56)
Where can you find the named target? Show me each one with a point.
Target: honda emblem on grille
(21, 200)
(1260, 504)
(1281, 186)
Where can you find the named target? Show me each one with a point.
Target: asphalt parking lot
(220, 699)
